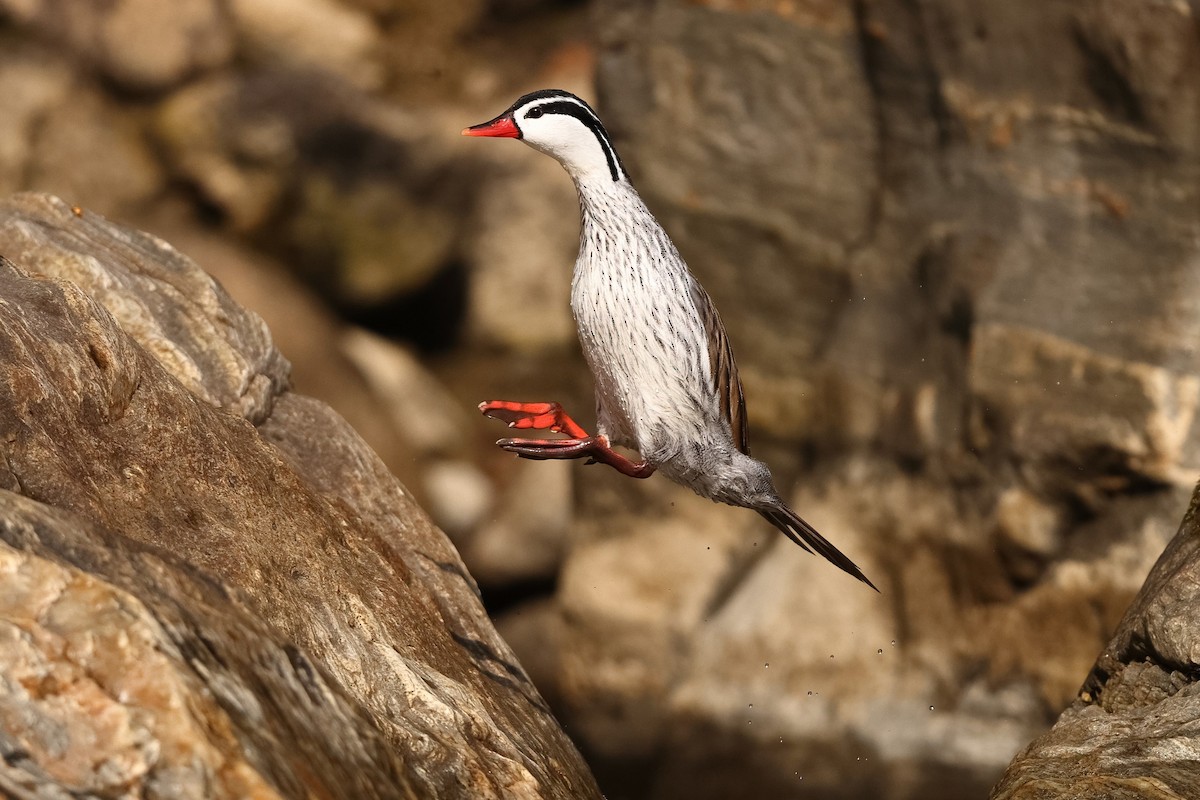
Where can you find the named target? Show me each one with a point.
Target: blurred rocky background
(957, 248)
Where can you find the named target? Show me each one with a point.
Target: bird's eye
(534, 112)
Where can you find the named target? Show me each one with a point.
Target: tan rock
(311, 35)
(525, 238)
(459, 496)
(34, 84)
(527, 535)
(145, 44)
(199, 131)
(1051, 397)
(632, 606)
(140, 44)
(88, 151)
(429, 418)
(101, 696)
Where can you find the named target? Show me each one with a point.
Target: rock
(1029, 532)
(219, 352)
(236, 541)
(364, 199)
(236, 160)
(142, 45)
(527, 536)
(64, 134)
(318, 343)
(460, 495)
(534, 630)
(101, 692)
(311, 35)
(526, 236)
(124, 177)
(634, 606)
(386, 241)
(1044, 397)
(33, 83)
(711, 654)
(1125, 734)
(427, 415)
(1028, 523)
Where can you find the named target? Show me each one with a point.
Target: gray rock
(299, 627)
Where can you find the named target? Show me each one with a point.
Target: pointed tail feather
(795, 528)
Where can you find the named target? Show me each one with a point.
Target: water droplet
(810, 692)
(831, 655)
(767, 665)
(751, 705)
(749, 722)
(893, 642)
(879, 652)
(931, 708)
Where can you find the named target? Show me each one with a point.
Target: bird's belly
(650, 388)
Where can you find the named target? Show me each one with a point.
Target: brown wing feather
(723, 368)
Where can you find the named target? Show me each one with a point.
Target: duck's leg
(539, 416)
(550, 416)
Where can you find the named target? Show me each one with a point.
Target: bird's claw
(545, 449)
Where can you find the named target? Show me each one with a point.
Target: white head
(561, 125)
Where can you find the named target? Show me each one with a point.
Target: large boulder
(212, 586)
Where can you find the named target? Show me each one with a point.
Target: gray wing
(723, 369)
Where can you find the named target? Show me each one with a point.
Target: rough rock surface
(1131, 733)
(213, 587)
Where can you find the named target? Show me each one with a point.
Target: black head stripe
(588, 118)
(544, 94)
(560, 102)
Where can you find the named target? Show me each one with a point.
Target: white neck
(600, 195)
